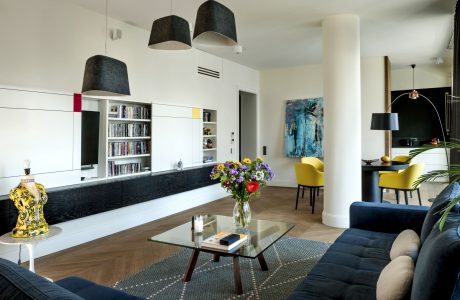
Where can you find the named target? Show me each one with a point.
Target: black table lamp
(384, 121)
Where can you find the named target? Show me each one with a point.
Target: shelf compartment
(128, 156)
(110, 138)
(209, 136)
(131, 174)
(209, 149)
(130, 120)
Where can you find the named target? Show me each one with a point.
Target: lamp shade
(105, 76)
(170, 33)
(385, 121)
(215, 25)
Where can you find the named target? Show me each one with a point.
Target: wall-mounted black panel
(137, 190)
(4, 214)
(69, 203)
(63, 205)
(417, 118)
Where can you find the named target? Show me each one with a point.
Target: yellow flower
(247, 161)
(220, 167)
(238, 163)
(259, 159)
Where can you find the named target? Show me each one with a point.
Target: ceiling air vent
(208, 72)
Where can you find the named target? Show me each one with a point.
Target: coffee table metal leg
(237, 275)
(216, 258)
(262, 262)
(191, 265)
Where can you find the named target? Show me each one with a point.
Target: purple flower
(233, 172)
(240, 179)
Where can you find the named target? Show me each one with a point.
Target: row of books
(123, 111)
(123, 169)
(128, 148)
(128, 130)
(225, 241)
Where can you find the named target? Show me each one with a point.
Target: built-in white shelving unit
(128, 138)
(209, 136)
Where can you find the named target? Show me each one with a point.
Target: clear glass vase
(242, 214)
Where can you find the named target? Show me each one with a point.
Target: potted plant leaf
(452, 173)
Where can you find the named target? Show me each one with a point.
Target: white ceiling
(283, 33)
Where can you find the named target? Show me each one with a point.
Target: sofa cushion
(19, 283)
(350, 268)
(396, 278)
(406, 243)
(433, 215)
(90, 290)
(438, 263)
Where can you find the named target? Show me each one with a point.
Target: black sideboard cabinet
(73, 202)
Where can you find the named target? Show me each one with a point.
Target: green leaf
(445, 212)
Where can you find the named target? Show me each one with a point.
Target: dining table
(370, 177)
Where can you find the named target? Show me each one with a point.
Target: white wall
(279, 85)
(45, 45)
(425, 77)
(372, 101)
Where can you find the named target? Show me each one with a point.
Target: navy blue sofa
(351, 267)
(19, 283)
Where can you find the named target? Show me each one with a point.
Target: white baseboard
(90, 228)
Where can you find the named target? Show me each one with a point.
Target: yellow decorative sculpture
(29, 198)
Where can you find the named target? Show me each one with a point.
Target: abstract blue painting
(303, 131)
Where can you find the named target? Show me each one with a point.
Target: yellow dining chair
(318, 163)
(308, 176)
(398, 158)
(402, 181)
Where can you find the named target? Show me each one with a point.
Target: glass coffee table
(261, 235)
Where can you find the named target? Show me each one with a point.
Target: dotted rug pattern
(289, 261)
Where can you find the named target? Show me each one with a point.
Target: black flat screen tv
(89, 137)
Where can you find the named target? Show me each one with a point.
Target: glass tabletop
(261, 235)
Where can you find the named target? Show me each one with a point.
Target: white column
(342, 117)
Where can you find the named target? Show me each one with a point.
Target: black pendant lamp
(170, 33)
(215, 25)
(105, 76)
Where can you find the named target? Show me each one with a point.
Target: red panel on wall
(77, 102)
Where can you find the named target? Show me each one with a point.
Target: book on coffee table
(218, 241)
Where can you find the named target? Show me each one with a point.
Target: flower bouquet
(243, 180)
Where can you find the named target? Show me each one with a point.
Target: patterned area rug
(289, 261)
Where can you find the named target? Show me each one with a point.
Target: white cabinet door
(197, 143)
(44, 137)
(172, 141)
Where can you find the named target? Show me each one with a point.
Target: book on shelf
(115, 169)
(217, 241)
(129, 130)
(128, 148)
(122, 111)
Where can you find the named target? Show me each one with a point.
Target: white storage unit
(177, 136)
(39, 126)
(434, 159)
(209, 136)
(128, 138)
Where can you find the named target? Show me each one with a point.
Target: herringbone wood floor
(115, 257)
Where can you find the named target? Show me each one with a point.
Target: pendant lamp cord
(413, 77)
(171, 8)
(106, 23)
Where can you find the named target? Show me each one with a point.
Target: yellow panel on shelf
(196, 113)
